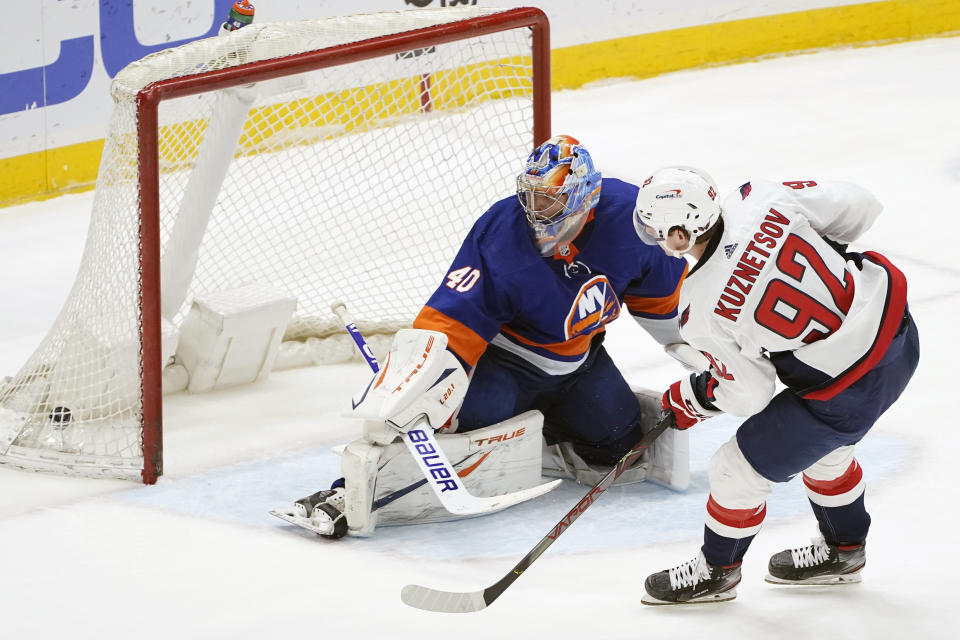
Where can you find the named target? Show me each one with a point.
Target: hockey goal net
(335, 159)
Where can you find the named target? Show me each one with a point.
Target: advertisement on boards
(58, 58)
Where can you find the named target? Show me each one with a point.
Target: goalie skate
(321, 513)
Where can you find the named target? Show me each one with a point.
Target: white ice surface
(197, 555)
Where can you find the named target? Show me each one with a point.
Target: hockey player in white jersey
(775, 294)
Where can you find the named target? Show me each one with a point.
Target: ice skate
(818, 563)
(321, 512)
(692, 582)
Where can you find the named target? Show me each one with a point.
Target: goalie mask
(558, 188)
(676, 197)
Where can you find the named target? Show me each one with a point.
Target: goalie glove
(420, 380)
(689, 399)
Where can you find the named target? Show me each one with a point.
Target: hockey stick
(433, 462)
(464, 602)
(341, 310)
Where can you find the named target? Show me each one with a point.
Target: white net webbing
(354, 183)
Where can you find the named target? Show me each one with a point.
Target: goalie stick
(429, 599)
(433, 462)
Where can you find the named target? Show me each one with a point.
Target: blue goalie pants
(593, 407)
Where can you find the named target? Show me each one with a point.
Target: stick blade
(510, 499)
(466, 504)
(428, 599)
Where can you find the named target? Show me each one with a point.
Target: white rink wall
(57, 58)
(80, 45)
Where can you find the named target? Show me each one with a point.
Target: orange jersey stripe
(575, 347)
(656, 306)
(463, 340)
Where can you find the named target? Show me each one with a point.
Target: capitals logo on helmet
(683, 197)
(557, 189)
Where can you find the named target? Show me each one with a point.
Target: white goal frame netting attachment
(198, 193)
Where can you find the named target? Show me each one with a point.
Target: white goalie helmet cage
(676, 196)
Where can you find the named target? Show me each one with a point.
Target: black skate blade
(708, 599)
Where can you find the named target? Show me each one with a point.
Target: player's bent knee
(734, 483)
(835, 480)
(833, 465)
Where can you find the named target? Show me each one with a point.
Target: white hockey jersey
(771, 297)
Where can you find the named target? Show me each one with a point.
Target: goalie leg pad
(384, 485)
(359, 466)
(669, 455)
(665, 462)
(562, 461)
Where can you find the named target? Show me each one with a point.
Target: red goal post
(71, 408)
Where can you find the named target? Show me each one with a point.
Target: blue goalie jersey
(547, 310)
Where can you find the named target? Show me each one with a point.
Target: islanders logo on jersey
(593, 306)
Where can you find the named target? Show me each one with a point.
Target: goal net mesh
(350, 183)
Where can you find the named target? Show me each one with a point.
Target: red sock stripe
(737, 518)
(846, 482)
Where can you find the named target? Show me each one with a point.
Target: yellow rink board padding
(374, 106)
(303, 121)
(46, 174)
(50, 172)
(652, 54)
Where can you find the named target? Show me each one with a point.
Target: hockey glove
(687, 399)
(419, 379)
